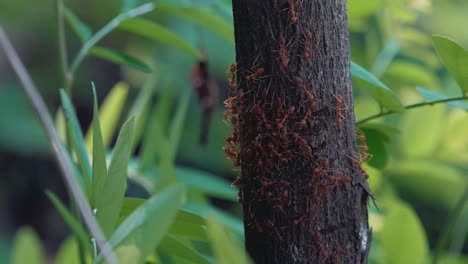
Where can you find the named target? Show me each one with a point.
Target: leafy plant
(177, 223)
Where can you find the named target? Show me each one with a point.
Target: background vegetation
(150, 123)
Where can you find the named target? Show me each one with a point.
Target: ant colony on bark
(271, 131)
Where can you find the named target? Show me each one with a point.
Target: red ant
(340, 106)
(275, 229)
(302, 142)
(338, 254)
(310, 98)
(318, 240)
(284, 199)
(257, 73)
(232, 80)
(280, 124)
(302, 217)
(255, 222)
(292, 11)
(258, 110)
(283, 53)
(307, 40)
(335, 180)
(318, 171)
(363, 146)
(361, 169)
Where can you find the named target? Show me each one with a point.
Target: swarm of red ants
(270, 131)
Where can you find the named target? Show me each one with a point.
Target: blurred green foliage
(420, 156)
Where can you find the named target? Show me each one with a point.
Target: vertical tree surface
(303, 189)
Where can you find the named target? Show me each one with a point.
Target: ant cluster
(271, 133)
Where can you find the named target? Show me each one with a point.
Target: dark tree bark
(303, 189)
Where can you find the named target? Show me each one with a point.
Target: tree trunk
(303, 189)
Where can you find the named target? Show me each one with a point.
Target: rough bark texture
(303, 189)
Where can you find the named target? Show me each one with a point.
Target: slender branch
(62, 46)
(448, 230)
(108, 28)
(59, 150)
(390, 112)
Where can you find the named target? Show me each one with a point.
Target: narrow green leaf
(204, 18)
(141, 107)
(27, 248)
(154, 142)
(68, 253)
(234, 224)
(61, 124)
(109, 115)
(99, 155)
(156, 32)
(175, 247)
(379, 91)
(402, 236)
(175, 130)
(429, 95)
(454, 57)
(82, 30)
(110, 199)
(78, 142)
(226, 249)
(120, 58)
(207, 183)
(108, 28)
(68, 217)
(142, 231)
(186, 225)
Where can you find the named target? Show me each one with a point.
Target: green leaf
(234, 224)
(226, 249)
(68, 217)
(27, 248)
(186, 225)
(402, 236)
(155, 143)
(68, 253)
(454, 57)
(61, 124)
(177, 125)
(379, 91)
(120, 58)
(141, 107)
(207, 183)
(107, 29)
(375, 141)
(76, 135)
(142, 231)
(109, 115)
(176, 247)
(99, 155)
(429, 96)
(110, 199)
(204, 18)
(82, 30)
(427, 182)
(156, 32)
(420, 131)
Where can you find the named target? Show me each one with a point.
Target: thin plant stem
(108, 28)
(390, 112)
(64, 162)
(62, 44)
(448, 230)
